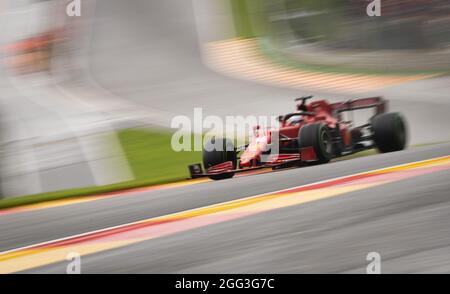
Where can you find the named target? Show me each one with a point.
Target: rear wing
(378, 103)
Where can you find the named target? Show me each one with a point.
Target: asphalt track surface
(406, 222)
(156, 60)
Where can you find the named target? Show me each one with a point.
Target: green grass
(249, 18)
(241, 19)
(151, 159)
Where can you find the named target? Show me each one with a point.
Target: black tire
(212, 157)
(319, 137)
(390, 132)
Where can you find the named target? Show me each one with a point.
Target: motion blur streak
(82, 199)
(243, 58)
(51, 139)
(50, 252)
(76, 200)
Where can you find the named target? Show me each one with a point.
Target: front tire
(319, 137)
(389, 131)
(212, 157)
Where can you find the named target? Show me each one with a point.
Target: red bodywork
(32, 54)
(322, 111)
(289, 129)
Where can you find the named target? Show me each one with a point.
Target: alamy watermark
(74, 266)
(196, 134)
(74, 8)
(374, 267)
(374, 8)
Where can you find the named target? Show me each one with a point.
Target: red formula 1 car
(315, 133)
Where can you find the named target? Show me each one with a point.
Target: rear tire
(319, 137)
(212, 157)
(389, 131)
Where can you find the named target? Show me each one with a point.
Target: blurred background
(408, 35)
(342, 24)
(87, 100)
